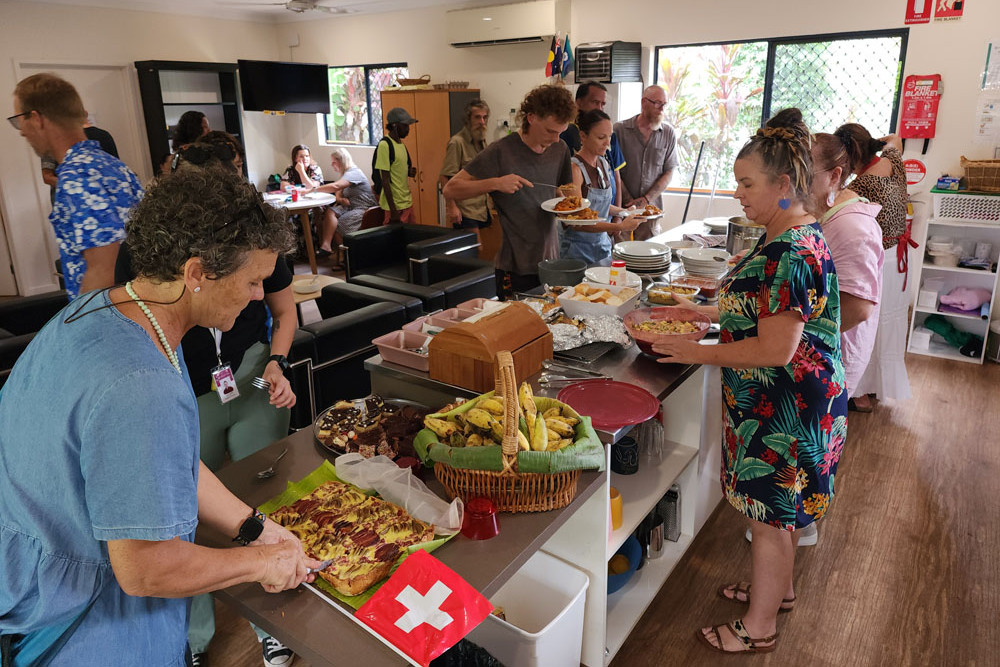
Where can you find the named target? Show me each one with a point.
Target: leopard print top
(890, 192)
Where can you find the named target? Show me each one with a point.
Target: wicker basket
(425, 79)
(982, 175)
(510, 490)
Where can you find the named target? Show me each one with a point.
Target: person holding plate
(593, 175)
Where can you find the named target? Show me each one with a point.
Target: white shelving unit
(967, 219)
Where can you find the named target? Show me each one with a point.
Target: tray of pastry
(370, 426)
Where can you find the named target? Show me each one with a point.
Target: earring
(197, 289)
(830, 198)
(784, 203)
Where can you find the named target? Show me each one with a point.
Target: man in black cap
(393, 166)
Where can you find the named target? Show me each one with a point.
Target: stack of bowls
(704, 262)
(942, 251)
(643, 257)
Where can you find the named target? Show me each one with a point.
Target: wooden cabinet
(169, 88)
(441, 113)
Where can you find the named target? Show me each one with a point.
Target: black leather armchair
(341, 298)
(22, 318)
(453, 280)
(400, 251)
(327, 357)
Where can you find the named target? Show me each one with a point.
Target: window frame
(368, 103)
(772, 46)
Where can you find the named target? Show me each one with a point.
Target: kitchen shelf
(944, 351)
(958, 269)
(955, 223)
(627, 605)
(641, 491)
(935, 311)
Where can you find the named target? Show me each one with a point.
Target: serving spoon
(268, 473)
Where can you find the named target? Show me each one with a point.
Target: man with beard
(471, 213)
(94, 191)
(649, 147)
(509, 169)
(393, 164)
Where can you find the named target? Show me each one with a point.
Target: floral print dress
(784, 427)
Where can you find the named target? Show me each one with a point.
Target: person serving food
(101, 486)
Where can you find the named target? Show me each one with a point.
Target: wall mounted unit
(503, 24)
(609, 62)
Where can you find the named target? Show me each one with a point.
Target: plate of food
(571, 204)
(663, 295)
(587, 216)
(649, 213)
(370, 426)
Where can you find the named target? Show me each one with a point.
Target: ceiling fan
(297, 6)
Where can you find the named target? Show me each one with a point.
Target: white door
(109, 94)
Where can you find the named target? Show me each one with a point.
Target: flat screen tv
(289, 87)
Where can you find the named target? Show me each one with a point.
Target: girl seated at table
(303, 171)
(593, 176)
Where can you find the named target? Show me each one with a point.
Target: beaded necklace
(171, 355)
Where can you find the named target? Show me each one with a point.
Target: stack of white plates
(717, 225)
(643, 257)
(706, 262)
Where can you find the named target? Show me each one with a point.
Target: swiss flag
(424, 608)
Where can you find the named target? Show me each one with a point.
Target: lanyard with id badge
(223, 380)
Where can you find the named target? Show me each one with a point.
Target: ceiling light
(487, 18)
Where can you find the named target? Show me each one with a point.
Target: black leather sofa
(452, 280)
(327, 357)
(341, 298)
(20, 320)
(400, 251)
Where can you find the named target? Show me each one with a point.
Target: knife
(322, 566)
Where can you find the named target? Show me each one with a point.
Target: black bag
(376, 174)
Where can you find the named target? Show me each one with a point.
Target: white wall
(60, 34)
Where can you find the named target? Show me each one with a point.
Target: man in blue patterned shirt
(95, 190)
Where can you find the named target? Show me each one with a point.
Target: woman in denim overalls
(592, 175)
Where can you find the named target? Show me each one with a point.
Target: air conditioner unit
(609, 62)
(503, 24)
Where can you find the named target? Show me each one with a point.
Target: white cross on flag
(424, 608)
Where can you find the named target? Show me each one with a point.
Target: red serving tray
(610, 404)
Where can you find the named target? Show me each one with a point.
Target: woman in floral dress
(785, 409)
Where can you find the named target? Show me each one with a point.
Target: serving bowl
(646, 339)
(662, 295)
(561, 271)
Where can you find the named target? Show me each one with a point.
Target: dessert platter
(370, 426)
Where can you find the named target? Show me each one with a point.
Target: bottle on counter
(616, 276)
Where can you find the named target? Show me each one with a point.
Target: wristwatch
(251, 529)
(282, 361)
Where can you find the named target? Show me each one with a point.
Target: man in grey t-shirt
(650, 149)
(509, 170)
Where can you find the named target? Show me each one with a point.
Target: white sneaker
(276, 654)
(808, 536)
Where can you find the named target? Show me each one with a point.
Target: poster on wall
(948, 10)
(918, 11)
(915, 171)
(918, 114)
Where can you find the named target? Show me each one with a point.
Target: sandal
(854, 406)
(743, 589)
(749, 644)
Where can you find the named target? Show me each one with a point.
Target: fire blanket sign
(948, 10)
(918, 116)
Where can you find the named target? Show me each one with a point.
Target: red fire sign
(948, 10)
(918, 112)
(915, 171)
(918, 11)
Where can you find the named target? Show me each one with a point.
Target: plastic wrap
(399, 486)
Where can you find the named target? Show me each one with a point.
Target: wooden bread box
(464, 354)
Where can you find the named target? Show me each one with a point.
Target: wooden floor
(907, 570)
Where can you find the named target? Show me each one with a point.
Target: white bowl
(601, 275)
(641, 249)
(307, 286)
(704, 256)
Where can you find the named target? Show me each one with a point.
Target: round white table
(306, 201)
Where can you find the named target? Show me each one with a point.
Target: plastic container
(927, 298)
(632, 550)
(399, 347)
(543, 603)
(616, 276)
(575, 308)
(920, 338)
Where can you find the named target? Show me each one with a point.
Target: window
(721, 93)
(355, 104)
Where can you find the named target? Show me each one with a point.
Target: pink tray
(473, 304)
(435, 320)
(397, 348)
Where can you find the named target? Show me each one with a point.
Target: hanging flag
(557, 57)
(425, 608)
(552, 55)
(567, 66)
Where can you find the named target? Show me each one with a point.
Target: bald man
(650, 149)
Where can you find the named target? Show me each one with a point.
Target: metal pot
(743, 234)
